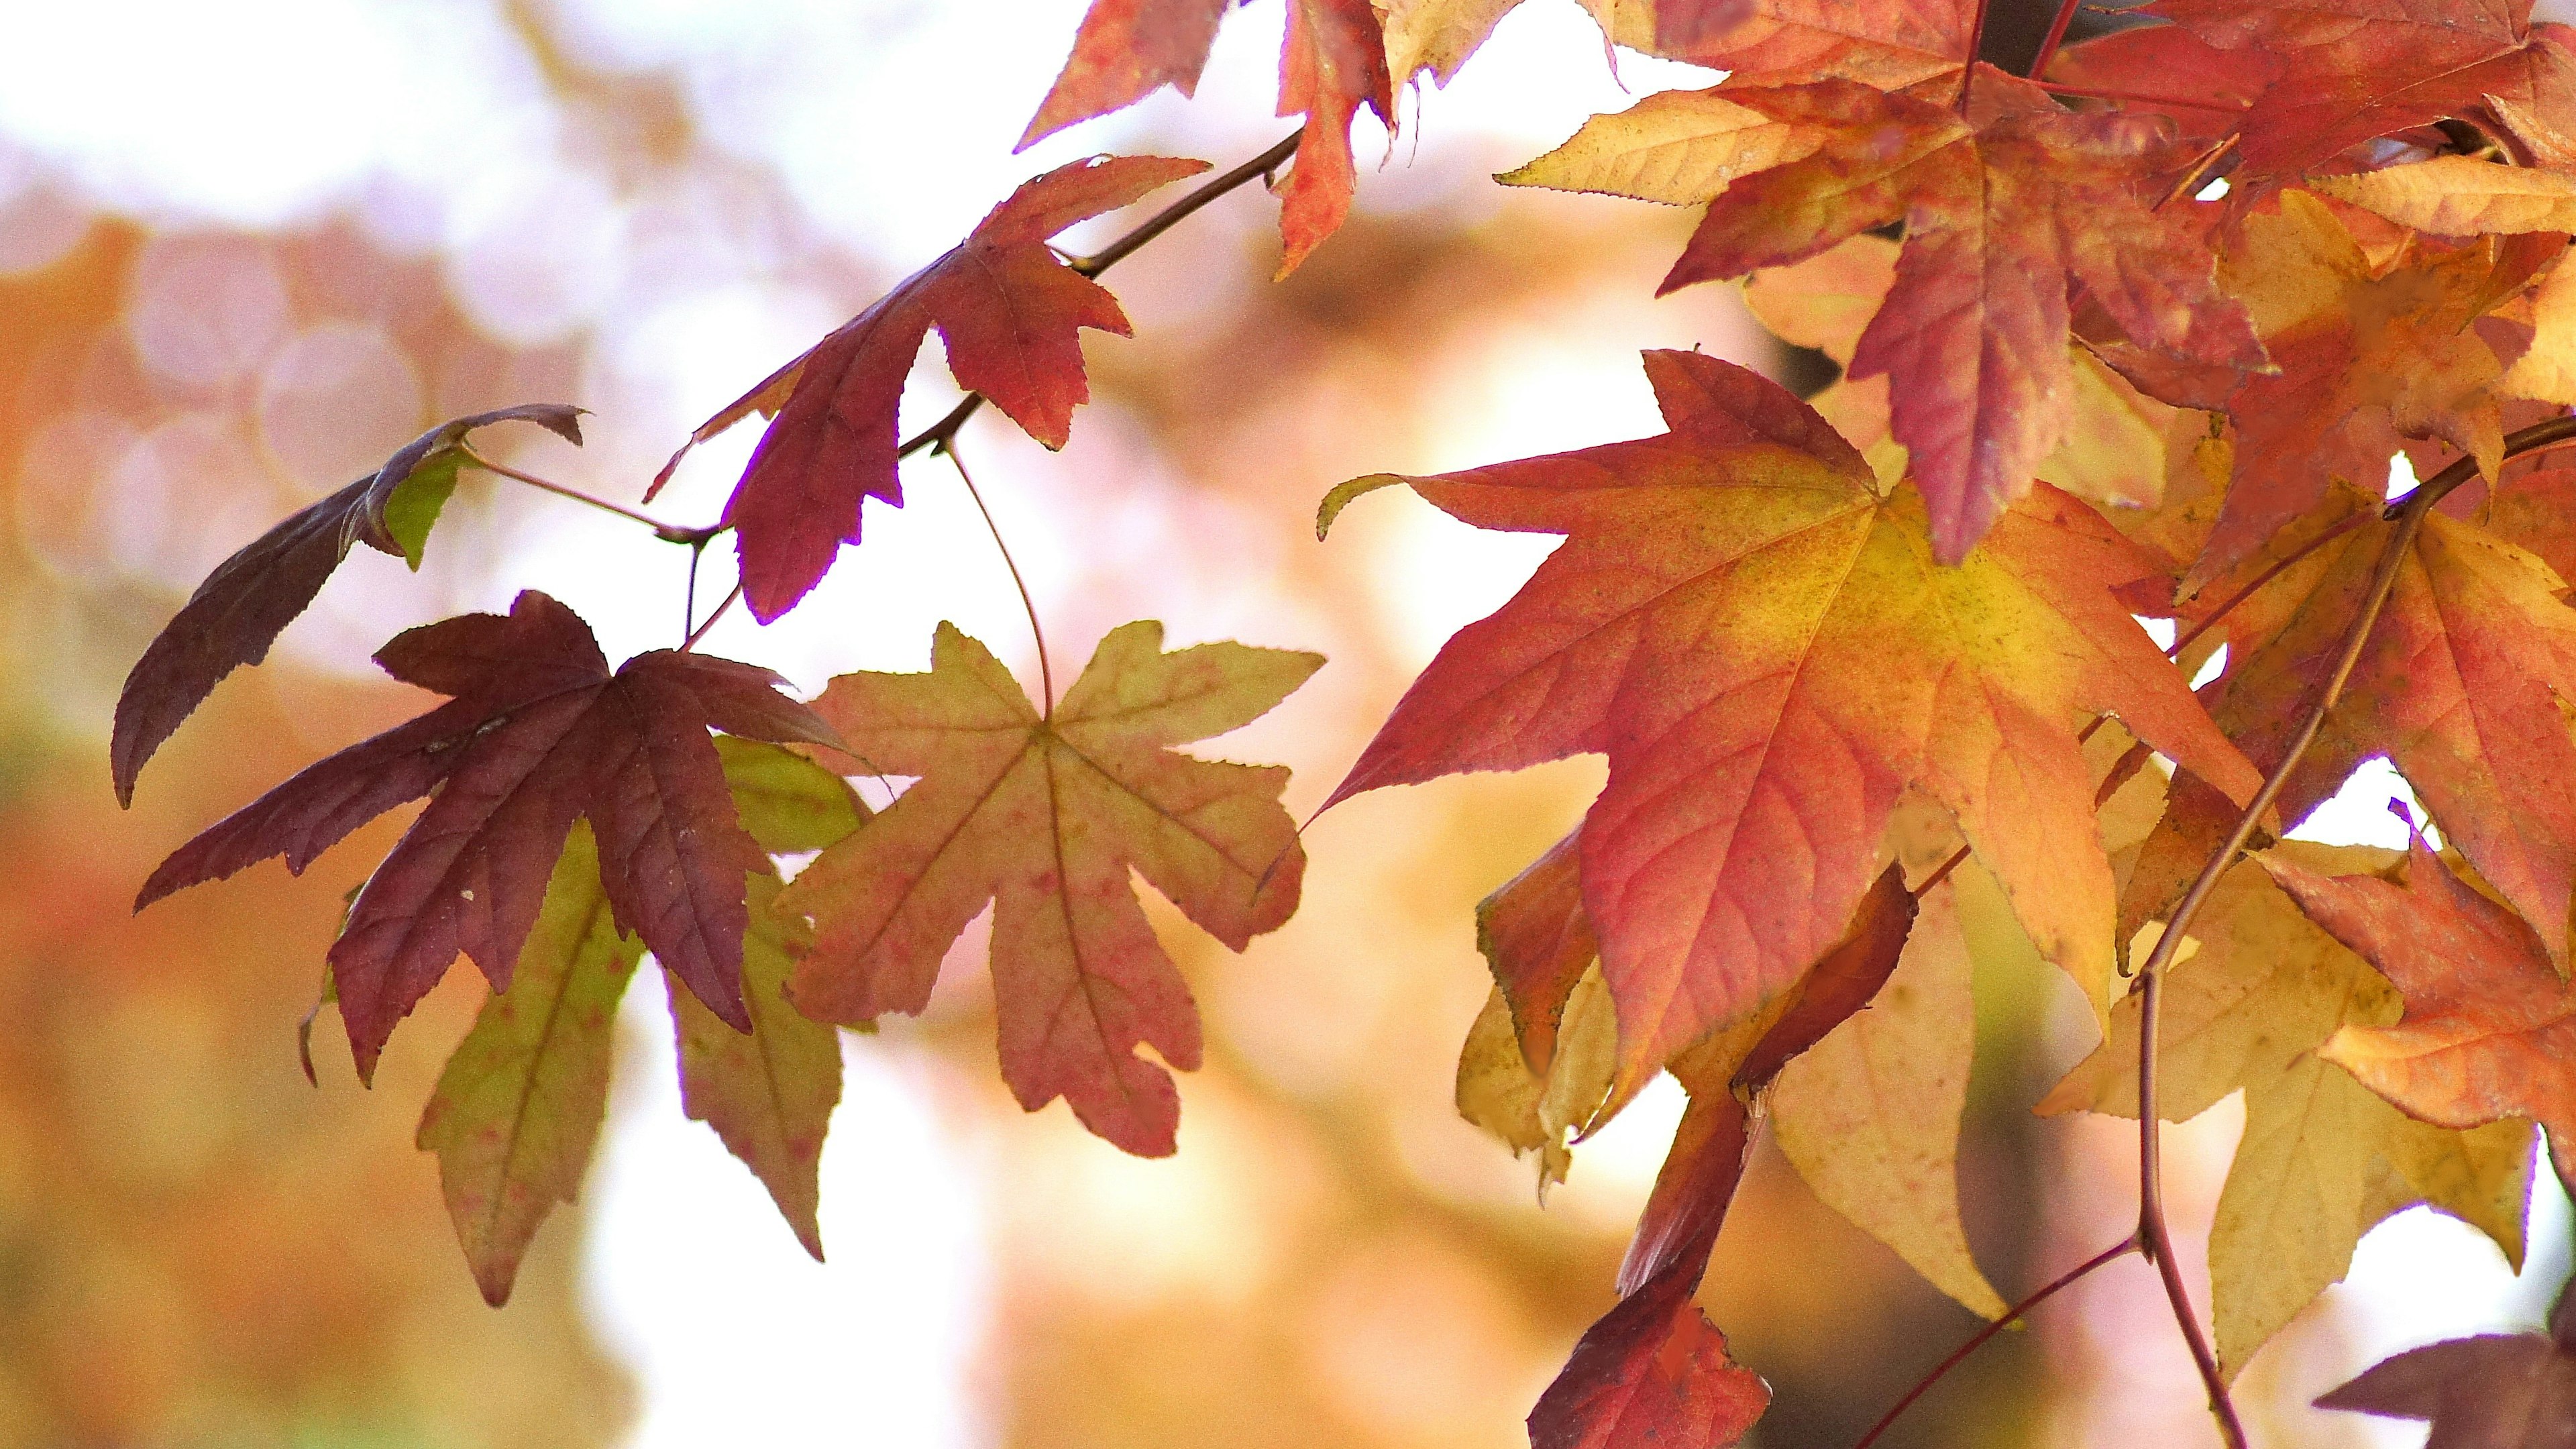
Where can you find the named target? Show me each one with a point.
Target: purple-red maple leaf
(242, 606)
(2494, 1391)
(1010, 312)
(537, 733)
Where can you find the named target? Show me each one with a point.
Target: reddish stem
(1978, 1340)
(2056, 33)
(1976, 43)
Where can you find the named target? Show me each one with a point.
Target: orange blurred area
(642, 210)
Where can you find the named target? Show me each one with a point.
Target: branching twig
(1110, 256)
(1978, 1340)
(700, 632)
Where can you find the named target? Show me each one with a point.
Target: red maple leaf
(1768, 654)
(1010, 312)
(2352, 70)
(536, 734)
(1332, 62)
(2002, 219)
(252, 596)
(2490, 1025)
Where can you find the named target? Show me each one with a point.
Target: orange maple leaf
(1048, 813)
(1768, 654)
(2490, 1026)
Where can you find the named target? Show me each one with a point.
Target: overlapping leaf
(2370, 351)
(2494, 1391)
(242, 606)
(1333, 62)
(2355, 69)
(1047, 814)
(538, 733)
(2322, 1160)
(2463, 684)
(518, 1108)
(2003, 217)
(1010, 313)
(1767, 652)
(2490, 1024)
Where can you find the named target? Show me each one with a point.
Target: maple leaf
(517, 1108)
(537, 733)
(2490, 1025)
(1047, 813)
(1888, 44)
(2114, 448)
(2493, 1391)
(2002, 218)
(2369, 351)
(769, 1094)
(1010, 313)
(1438, 35)
(1766, 651)
(2169, 71)
(2462, 685)
(252, 596)
(2322, 1160)
(1332, 62)
(1869, 1115)
(2352, 70)
(2461, 196)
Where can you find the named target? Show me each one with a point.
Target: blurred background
(247, 250)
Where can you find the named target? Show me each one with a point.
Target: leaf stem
(940, 432)
(2056, 34)
(1978, 1339)
(709, 622)
(1046, 672)
(667, 532)
(1968, 71)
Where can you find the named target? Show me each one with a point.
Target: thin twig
(1112, 254)
(1046, 673)
(2189, 185)
(2056, 34)
(667, 532)
(700, 632)
(1978, 1340)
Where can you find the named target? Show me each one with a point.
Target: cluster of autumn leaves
(2137, 336)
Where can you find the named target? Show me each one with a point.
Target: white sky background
(890, 124)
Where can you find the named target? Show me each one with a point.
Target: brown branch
(1112, 254)
(1978, 1339)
